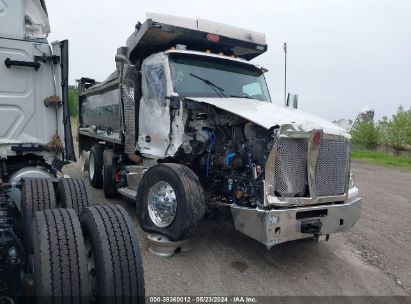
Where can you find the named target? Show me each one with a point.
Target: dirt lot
(373, 259)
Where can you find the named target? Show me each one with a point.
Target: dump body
(101, 108)
(186, 96)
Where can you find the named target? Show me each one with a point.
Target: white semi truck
(186, 125)
(54, 247)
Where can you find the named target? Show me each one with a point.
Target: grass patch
(73, 120)
(383, 158)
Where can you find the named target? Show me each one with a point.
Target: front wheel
(170, 201)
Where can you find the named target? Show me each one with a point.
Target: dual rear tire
(37, 194)
(95, 166)
(72, 193)
(94, 259)
(102, 170)
(93, 256)
(59, 257)
(113, 254)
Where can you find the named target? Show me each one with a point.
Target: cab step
(128, 193)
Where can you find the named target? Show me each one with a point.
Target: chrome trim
(272, 227)
(308, 132)
(312, 157)
(162, 204)
(114, 137)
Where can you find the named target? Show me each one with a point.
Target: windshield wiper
(216, 88)
(246, 97)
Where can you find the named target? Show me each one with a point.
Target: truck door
(24, 85)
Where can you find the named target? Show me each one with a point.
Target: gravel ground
(383, 234)
(372, 259)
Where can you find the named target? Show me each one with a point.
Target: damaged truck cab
(186, 123)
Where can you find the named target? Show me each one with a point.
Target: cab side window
(155, 81)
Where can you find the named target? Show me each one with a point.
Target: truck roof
(161, 32)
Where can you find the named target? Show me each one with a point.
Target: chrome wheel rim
(91, 166)
(162, 204)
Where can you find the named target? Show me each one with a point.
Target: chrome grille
(331, 168)
(291, 168)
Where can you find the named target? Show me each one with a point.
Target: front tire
(170, 201)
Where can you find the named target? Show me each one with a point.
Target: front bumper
(272, 227)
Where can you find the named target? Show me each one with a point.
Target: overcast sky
(342, 55)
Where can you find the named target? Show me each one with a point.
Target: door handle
(31, 64)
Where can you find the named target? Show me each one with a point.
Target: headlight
(351, 183)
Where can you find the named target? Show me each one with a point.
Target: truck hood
(267, 114)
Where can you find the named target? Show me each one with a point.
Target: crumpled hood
(267, 114)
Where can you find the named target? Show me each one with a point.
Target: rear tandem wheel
(59, 260)
(94, 259)
(72, 193)
(37, 194)
(113, 254)
(95, 166)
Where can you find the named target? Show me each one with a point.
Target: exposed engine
(231, 154)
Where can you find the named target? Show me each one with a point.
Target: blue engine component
(210, 148)
(229, 157)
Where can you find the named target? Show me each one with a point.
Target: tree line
(393, 133)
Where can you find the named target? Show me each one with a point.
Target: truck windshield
(200, 76)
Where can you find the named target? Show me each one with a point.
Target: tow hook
(311, 227)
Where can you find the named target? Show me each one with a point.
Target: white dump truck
(54, 247)
(186, 126)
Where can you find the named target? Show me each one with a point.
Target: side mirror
(367, 114)
(292, 101)
(122, 59)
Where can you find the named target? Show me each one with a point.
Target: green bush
(396, 133)
(365, 135)
(73, 102)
